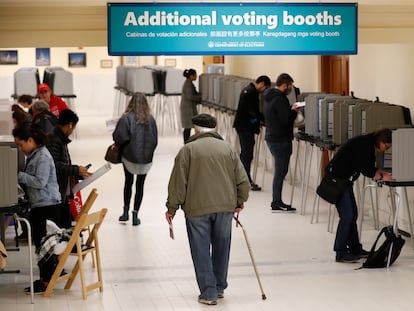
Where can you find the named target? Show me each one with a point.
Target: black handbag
(331, 187)
(113, 154)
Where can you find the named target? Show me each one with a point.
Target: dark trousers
(281, 152)
(65, 215)
(246, 150)
(47, 269)
(139, 189)
(38, 216)
(186, 134)
(347, 238)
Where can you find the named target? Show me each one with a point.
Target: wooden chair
(93, 221)
(85, 210)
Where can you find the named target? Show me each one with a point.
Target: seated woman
(40, 182)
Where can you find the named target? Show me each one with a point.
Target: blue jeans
(210, 239)
(246, 150)
(347, 239)
(281, 154)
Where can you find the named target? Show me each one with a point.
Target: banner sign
(232, 28)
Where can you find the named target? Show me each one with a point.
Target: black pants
(246, 150)
(47, 269)
(139, 189)
(186, 134)
(38, 216)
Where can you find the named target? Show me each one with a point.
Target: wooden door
(335, 74)
(334, 79)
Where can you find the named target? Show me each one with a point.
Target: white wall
(383, 70)
(303, 69)
(93, 85)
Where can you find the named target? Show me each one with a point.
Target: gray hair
(40, 105)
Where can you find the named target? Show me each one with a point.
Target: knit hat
(205, 120)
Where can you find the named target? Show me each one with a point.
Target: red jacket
(56, 105)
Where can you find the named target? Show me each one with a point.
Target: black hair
(25, 99)
(25, 132)
(68, 116)
(383, 135)
(189, 72)
(264, 79)
(284, 78)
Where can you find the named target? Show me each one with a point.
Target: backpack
(378, 258)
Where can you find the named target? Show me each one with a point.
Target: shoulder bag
(113, 154)
(331, 187)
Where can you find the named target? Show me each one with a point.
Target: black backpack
(378, 258)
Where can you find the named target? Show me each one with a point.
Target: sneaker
(38, 287)
(205, 301)
(220, 295)
(282, 207)
(361, 253)
(255, 187)
(348, 258)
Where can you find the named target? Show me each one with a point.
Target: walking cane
(251, 255)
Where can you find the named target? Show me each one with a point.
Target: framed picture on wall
(106, 63)
(42, 56)
(9, 57)
(170, 62)
(77, 59)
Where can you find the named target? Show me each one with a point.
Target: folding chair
(85, 210)
(93, 220)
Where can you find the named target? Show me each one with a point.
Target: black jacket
(356, 156)
(58, 147)
(279, 116)
(46, 121)
(248, 115)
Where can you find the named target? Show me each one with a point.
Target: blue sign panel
(232, 28)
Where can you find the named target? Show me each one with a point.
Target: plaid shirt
(50, 242)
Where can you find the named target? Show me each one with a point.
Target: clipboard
(98, 173)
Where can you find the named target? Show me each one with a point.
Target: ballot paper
(171, 230)
(98, 173)
(300, 104)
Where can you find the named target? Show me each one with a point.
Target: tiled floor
(143, 269)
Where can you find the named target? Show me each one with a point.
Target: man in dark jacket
(279, 118)
(67, 173)
(355, 157)
(247, 122)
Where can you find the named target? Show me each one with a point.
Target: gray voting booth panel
(6, 122)
(368, 117)
(227, 100)
(391, 116)
(203, 82)
(402, 154)
(8, 175)
(174, 81)
(342, 117)
(59, 80)
(140, 79)
(26, 80)
(327, 116)
(313, 113)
